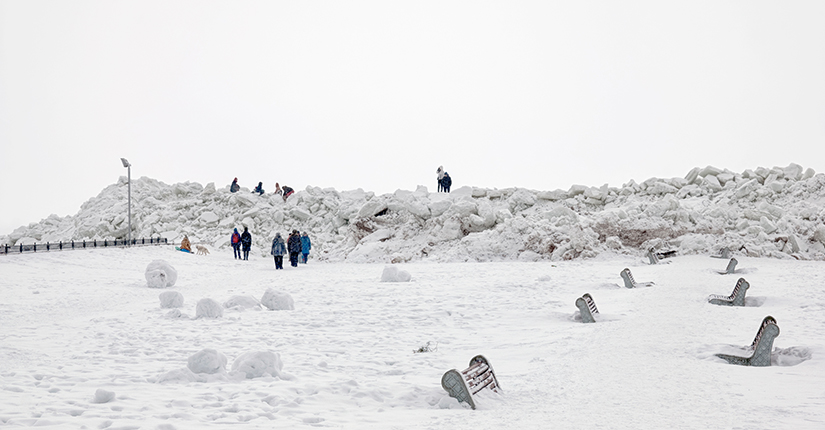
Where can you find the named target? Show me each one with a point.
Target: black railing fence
(75, 244)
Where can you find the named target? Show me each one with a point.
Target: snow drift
(772, 212)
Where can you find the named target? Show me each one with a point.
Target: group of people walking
(297, 244)
(283, 192)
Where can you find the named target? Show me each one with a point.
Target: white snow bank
(242, 302)
(774, 212)
(160, 274)
(394, 274)
(277, 301)
(207, 361)
(170, 299)
(257, 364)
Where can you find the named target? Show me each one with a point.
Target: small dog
(201, 250)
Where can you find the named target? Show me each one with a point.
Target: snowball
(245, 302)
(103, 396)
(207, 361)
(208, 308)
(277, 301)
(171, 299)
(258, 363)
(394, 274)
(160, 274)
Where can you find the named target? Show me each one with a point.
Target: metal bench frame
(468, 382)
(762, 346)
(587, 308)
(629, 282)
(736, 298)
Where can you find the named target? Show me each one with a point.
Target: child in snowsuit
(278, 250)
(306, 245)
(236, 243)
(246, 242)
(294, 246)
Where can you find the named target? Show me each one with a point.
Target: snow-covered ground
(85, 344)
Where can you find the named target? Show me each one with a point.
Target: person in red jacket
(236, 243)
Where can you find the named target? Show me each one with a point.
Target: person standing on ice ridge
(236, 244)
(278, 190)
(440, 173)
(306, 245)
(287, 192)
(234, 187)
(278, 251)
(246, 242)
(294, 246)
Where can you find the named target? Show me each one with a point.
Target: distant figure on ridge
(246, 242)
(278, 189)
(446, 182)
(306, 245)
(185, 245)
(278, 250)
(234, 187)
(287, 192)
(259, 189)
(294, 246)
(236, 244)
(440, 173)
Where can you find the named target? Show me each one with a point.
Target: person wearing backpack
(278, 251)
(294, 246)
(236, 243)
(306, 245)
(246, 242)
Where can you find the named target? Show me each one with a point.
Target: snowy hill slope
(775, 212)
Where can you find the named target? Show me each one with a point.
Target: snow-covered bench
(629, 282)
(736, 298)
(468, 382)
(762, 346)
(656, 257)
(587, 308)
(731, 267)
(652, 256)
(723, 253)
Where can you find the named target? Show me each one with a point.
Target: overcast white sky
(377, 94)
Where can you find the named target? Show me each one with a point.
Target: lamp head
(125, 162)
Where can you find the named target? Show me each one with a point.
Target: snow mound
(170, 299)
(207, 361)
(394, 274)
(765, 212)
(258, 363)
(103, 396)
(160, 274)
(242, 302)
(208, 308)
(277, 301)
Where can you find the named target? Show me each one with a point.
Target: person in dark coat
(287, 191)
(246, 242)
(236, 243)
(306, 245)
(294, 246)
(234, 187)
(278, 250)
(259, 189)
(446, 182)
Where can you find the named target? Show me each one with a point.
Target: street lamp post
(129, 182)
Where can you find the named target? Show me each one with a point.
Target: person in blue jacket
(246, 242)
(278, 251)
(259, 189)
(306, 245)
